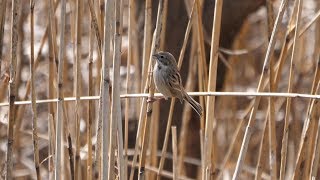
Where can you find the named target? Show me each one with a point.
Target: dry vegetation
(76, 76)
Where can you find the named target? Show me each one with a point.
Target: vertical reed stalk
(51, 81)
(59, 118)
(52, 141)
(146, 41)
(12, 87)
(52, 55)
(128, 80)
(91, 103)
(33, 94)
(202, 63)
(122, 163)
(271, 109)
(77, 84)
(174, 152)
(208, 136)
(96, 25)
(145, 79)
(105, 85)
(116, 121)
(153, 158)
(265, 69)
(3, 9)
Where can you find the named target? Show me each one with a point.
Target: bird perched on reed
(168, 81)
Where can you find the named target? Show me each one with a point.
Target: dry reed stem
(315, 154)
(116, 122)
(290, 86)
(153, 159)
(51, 82)
(52, 56)
(202, 64)
(128, 77)
(135, 58)
(91, 106)
(96, 27)
(210, 116)
(59, 118)
(12, 87)
(52, 141)
(265, 70)
(3, 9)
(145, 68)
(77, 72)
(154, 49)
(271, 109)
(201, 43)
(146, 42)
(145, 60)
(98, 8)
(105, 85)
(33, 94)
(174, 152)
(169, 121)
(96, 24)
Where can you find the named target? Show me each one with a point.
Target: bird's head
(165, 59)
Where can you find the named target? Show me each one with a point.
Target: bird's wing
(174, 82)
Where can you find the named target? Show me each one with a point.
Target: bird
(168, 82)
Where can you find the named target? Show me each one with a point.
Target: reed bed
(77, 90)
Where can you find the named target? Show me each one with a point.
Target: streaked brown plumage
(168, 81)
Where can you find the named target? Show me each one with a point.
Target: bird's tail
(194, 104)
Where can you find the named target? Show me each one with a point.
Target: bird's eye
(161, 56)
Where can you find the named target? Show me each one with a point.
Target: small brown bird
(168, 81)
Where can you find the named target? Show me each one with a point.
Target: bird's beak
(155, 56)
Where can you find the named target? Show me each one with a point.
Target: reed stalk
(174, 152)
(105, 85)
(91, 103)
(12, 87)
(3, 9)
(210, 116)
(59, 117)
(116, 121)
(33, 95)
